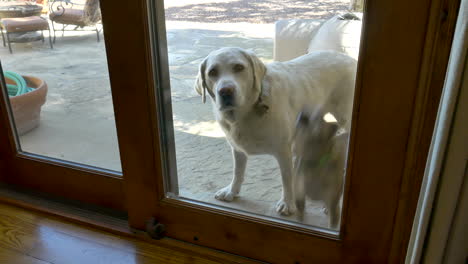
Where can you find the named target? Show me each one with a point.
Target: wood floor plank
(164, 247)
(8, 256)
(57, 247)
(56, 241)
(16, 234)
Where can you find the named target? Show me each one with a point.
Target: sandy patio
(78, 124)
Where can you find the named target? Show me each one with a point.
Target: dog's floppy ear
(258, 68)
(200, 83)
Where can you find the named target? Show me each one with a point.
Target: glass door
(233, 137)
(279, 127)
(73, 89)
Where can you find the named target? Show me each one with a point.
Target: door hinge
(155, 229)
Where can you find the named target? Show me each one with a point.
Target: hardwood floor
(28, 237)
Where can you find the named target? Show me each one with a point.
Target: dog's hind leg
(299, 189)
(228, 193)
(333, 205)
(286, 205)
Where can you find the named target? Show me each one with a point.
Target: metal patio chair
(80, 15)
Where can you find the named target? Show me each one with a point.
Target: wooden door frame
(438, 44)
(395, 107)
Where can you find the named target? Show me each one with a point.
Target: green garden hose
(20, 87)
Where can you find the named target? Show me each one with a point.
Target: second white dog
(256, 105)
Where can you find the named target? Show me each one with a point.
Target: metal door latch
(155, 229)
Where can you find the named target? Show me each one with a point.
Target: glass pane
(58, 81)
(272, 138)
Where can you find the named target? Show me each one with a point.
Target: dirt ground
(251, 11)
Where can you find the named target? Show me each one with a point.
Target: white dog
(256, 105)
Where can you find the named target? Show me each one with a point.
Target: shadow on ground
(256, 11)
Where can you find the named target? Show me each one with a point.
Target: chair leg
(97, 33)
(63, 30)
(3, 38)
(50, 40)
(42, 35)
(9, 43)
(53, 29)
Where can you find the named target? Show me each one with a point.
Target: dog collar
(317, 164)
(260, 107)
(323, 160)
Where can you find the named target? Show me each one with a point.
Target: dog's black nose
(226, 91)
(227, 95)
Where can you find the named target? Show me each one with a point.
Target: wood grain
(7, 141)
(16, 234)
(69, 182)
(130, 71)
(9, 256)
(40, 237)
(437, 51)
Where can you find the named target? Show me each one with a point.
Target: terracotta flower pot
(27, 107)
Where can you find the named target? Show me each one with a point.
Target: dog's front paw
(285, 207)
(225, 194)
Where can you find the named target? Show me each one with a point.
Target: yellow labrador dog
(256, 105)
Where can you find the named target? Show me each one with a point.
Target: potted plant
(27, 95)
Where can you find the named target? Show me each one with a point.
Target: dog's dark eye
(213, 73)
(238, 67)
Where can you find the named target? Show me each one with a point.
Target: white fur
(267, 100)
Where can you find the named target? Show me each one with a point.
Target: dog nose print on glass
(271, 141)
